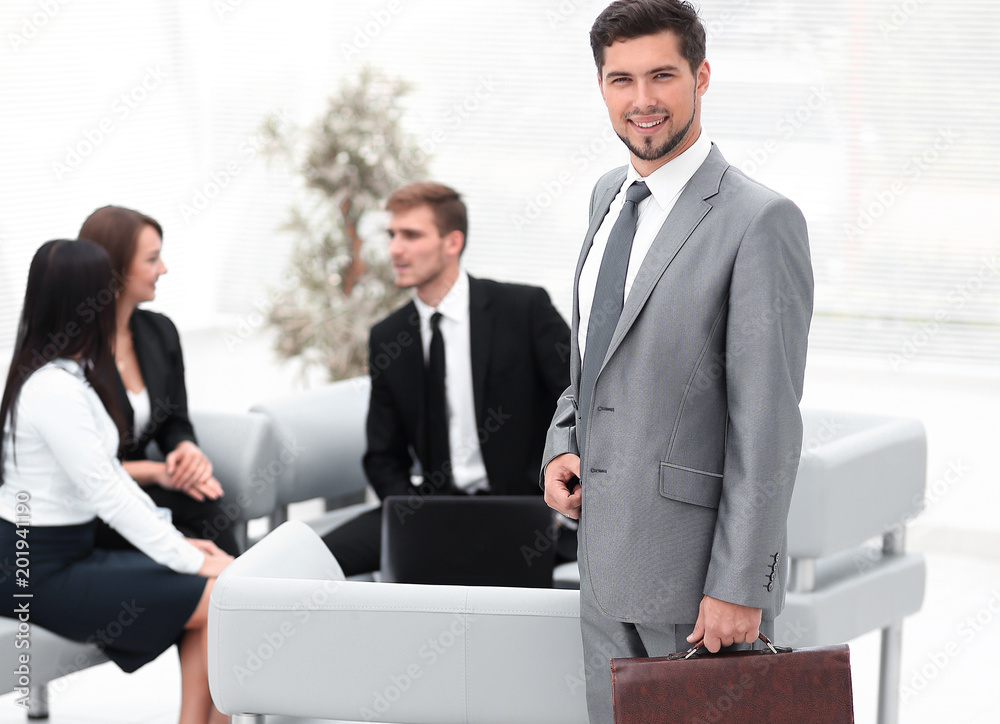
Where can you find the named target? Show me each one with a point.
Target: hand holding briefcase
(777, 684)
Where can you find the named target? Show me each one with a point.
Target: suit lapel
(480, 341)
(151, 366)
(153, 378)
(122, 397)
(691, 208)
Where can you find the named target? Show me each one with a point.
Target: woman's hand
(215, 559)
(207, 547)
(189, 470)
(210, 489)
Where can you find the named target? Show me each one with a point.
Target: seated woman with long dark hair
(150, 384)
(59, 472)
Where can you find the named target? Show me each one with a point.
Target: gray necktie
(609, 297)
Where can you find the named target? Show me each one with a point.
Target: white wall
(879, 118)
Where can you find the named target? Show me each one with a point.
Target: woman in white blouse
(60, 473)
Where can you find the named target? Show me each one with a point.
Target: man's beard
(651, 153)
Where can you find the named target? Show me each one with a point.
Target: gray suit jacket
(695, 433)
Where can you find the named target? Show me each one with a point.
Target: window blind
(878, 117)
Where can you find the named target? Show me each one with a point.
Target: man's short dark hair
(627, 19)
(449, 209)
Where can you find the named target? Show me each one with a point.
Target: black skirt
(123, 602)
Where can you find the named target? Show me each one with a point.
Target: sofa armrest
(332, 649)
(858, 476)
(245, 458)
(290, 551)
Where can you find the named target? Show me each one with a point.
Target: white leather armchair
(324, 429)
(860, 477)
(288, 636)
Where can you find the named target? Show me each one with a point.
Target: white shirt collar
(454, 306)
(668, 180)
(71, 366)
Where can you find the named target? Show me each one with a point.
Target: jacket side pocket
(690, 486)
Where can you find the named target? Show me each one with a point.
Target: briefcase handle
(681, 655)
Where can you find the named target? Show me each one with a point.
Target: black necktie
(609, 297)
(438, 471)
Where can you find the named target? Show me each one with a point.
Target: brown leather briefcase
(776, 685)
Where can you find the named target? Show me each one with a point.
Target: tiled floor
(950, 662)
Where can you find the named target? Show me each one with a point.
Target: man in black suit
(465, 377)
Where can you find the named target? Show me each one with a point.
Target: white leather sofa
(288, 636)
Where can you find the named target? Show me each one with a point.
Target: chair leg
(891, 654)
(277, 517)
(38, 701)
(890, 666)
(241, 536)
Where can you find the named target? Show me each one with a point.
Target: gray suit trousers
(605, 639)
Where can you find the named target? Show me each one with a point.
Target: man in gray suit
(691, 308)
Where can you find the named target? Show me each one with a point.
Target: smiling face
(653, 98)
(145, 268)
(421, 257)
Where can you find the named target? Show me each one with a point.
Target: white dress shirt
(467, 468)
(63, 454)
(665, 185)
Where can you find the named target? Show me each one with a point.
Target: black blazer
(520, 367)
(158, 349)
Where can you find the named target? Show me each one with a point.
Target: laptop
(468, 540)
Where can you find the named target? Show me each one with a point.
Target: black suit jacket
(520, 366)
(158, 350)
